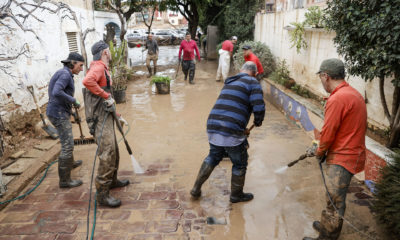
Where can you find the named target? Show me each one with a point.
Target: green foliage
(297, 36)
(263, 53)
(300, 90)
(314, 17)
(368, 36)
(281, 75)
(119, 71)
(387, 197)
(160, 79)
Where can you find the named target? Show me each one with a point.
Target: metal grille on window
(72, 42)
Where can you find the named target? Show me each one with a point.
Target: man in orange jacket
(342, 144)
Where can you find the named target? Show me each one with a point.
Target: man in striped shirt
(226, 127)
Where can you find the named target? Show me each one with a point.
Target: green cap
(333, 67)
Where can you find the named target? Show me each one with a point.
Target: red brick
(166, 226)
(72, 205)
(199, 221)
(173, 214)
(171, 196)
(10, 237)
(187, 226)
(51, 227)
(114, 215)
(109, 237)
(57, 216)
(69, 196)
(66, 237)
(125, 227)
(46, 197)
(163, 187)
(134, 204)
(153, 196)
(189, 215)
(146, 237)
(165, 204)
(19, 208)
(19, 229)
(19, 217)
(45, 236)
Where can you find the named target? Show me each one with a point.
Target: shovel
(51, 131)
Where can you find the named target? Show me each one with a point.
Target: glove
(109, 102)
(311, 151)
(321, 159)
(76, 104)
(257, 123)
(122, 121)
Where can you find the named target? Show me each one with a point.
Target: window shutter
(72, 42)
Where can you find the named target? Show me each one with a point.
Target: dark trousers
(189, 67)
(237, 154)
(338, 181)
(64, 130)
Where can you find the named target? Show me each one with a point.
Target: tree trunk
(383, 98)
(395, 117)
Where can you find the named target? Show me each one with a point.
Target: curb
(16, 186)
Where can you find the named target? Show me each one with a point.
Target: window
(72, 42)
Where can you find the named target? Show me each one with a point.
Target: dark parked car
(134, 39)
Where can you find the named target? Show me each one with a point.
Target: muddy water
(171, 129)
(168, 55)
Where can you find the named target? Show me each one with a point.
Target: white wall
(43, 60)
(270, 30)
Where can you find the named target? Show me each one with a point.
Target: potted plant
(120, 72)
(162, 84)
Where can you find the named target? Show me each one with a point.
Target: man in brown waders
(98, 106)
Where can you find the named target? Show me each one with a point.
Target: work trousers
(64, 131)
(223, 65)
(151, 57)
(337, 181)
(189, 67)
(237, 154)
(108, 152)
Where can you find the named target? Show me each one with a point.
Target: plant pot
(290, 83)
(119, 96)
(162, 88)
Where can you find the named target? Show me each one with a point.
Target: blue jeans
(237, 154)
(64, 130)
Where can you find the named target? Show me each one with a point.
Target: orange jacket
(343, 133)
(95, 79)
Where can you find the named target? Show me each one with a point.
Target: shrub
(297, 36)
(314, 17)
(263, 53)
(282, 74)
(387, 197)
(160, 79)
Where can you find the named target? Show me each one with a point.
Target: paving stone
(19, 217)
(65, 227)
(134, 204)
(153, 196)
(8, 179)
(125, 227)
(166, 226)
(68, 196)
(33, 153)
(146, 237)
(46, 145)
(10, 238)
(187, 226)
(44, 236)
(173, 214)
(114, 215)
(44, 197)
(109, 237)
(189, 215)
(19, 166)
(19, 229)
(19, 208)
(56, 216)
(17, 154)
(165, 204)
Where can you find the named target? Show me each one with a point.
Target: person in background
(250, 56)
(152, 53)
(59, 110)
(225, 56)
(188, 46)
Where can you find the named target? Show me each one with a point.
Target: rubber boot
(116, 183)
(64, 172)
(237, 194)
(155, 70)
(317, 226)
(204, 173)
(76, 163)
(104, 198)
(185, 77)
(149, 69)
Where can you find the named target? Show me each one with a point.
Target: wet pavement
(168, 138)
(168, 55)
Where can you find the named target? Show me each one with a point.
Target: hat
(333, 67)
(73, 56)
(246, 47)
(234, 38)
(98, 47)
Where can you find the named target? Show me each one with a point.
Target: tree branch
(85, 33)
(383, 98)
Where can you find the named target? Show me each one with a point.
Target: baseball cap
(98, 47)
(73, 56)
(333, 67)
(234, 38)
(246, 47)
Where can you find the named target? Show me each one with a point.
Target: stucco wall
(43, 59)
(270, 30)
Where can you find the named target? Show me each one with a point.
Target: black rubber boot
(149, 69)
(155, 70)
(204, 173)
(116, 183)
(64, 173)
(76, 163)
(317, 226)
(105, 199)
(185, 77)
(310, 238)
(237, 194)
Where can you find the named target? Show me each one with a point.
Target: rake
(82, 140)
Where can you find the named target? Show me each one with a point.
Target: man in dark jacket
(61, 99)
(226, 128)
